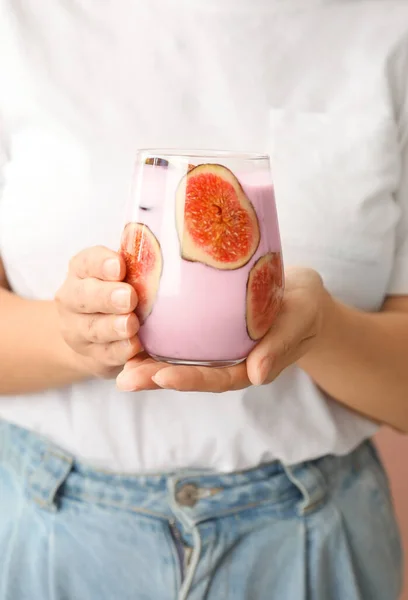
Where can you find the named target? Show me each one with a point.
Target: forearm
(33, 354)
(361, 360)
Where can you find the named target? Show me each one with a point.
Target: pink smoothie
(199, 312)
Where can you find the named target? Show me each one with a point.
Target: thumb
(284, 343)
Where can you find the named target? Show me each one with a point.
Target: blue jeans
(321, 530)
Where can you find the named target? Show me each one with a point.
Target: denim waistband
(49, 474)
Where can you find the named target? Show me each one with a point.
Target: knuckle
(93, 330)
(102, 296)
(83, 264)
(286, 347)
(77, 264)
(79, 296)
(72, 264)
(95, 296)
(80, 263)
(111, 355)
(228, 383)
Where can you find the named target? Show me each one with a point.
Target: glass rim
(194, 153)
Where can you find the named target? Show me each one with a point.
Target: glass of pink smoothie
(202, 249)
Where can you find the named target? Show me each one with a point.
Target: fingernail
(121, 324)
(121, 298)
(159, 380)
(264, 370)
(111, 268)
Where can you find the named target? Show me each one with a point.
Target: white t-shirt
(320, 86)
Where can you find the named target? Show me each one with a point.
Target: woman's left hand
(295, 332)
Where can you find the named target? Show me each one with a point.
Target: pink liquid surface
(199, 312)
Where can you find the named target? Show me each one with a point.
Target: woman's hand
(96, 312)
(294, 333)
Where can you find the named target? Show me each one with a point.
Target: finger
(138, 371)
(202, 379)
(101, 329)
(99, 262)
(115, 354)
(281, 363)
(137, 374)
(279, 346)
(141, 358)
(90, 296)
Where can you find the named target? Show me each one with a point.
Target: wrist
(331, 318)
(330, 324)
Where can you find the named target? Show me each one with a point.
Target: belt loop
(311, 484)
(47, 478)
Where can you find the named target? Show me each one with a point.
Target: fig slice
(216, 222)
(264, 294)
(144, 264)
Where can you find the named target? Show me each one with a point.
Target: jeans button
(188, 495)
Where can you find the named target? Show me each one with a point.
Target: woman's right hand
(96, 312)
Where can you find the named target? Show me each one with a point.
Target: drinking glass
(202, 250)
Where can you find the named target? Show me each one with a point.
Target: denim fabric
(321, 530)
